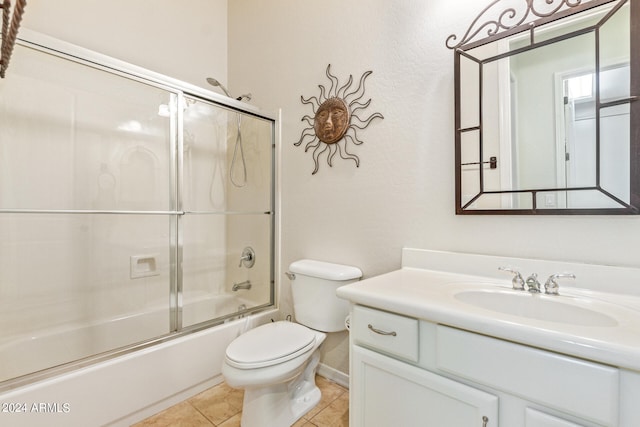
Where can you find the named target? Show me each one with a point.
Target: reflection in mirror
(546, 121)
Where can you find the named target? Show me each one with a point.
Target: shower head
(214, 82)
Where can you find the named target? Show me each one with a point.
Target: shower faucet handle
(247, 258)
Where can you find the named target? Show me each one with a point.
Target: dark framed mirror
(546, 113)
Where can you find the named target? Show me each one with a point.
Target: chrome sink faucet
(533, 285)
(551, 285)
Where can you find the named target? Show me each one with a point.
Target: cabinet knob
(485, 421)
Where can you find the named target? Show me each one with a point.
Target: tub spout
(242, 285)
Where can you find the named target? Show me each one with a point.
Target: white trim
(561, 136)
(334, 375)
(506, 127)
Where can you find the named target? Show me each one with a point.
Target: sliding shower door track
(228, 213)
(118, 212)
(87, 212)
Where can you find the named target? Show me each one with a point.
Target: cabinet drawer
(578, 387)
(535, 418)
(387, 332)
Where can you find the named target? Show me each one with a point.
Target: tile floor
(221, 406)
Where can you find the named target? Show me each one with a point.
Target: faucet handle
(532, 283)
(247, 258)
(551, 285)
(517, 282)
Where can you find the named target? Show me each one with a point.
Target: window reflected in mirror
(546, 118)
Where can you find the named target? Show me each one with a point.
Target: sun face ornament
(336, 118)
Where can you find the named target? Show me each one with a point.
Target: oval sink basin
(535, 306)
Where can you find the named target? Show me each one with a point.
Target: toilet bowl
(276, 363)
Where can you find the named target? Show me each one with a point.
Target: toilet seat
(269, 345)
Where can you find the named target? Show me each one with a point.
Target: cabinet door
(540, 419)
(388, 393)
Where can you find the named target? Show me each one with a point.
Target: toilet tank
(313, 286)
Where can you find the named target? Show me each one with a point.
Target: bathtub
(125, 389)
(199, 307)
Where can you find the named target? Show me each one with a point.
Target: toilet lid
(269, 344)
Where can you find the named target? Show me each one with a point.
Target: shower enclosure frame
(178, 91)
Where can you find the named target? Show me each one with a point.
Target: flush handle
(380, 331)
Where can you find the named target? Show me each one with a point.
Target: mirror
(546, 115)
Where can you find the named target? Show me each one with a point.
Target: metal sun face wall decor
(335, 120)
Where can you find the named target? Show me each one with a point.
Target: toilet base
(281, 405)
(275, 408)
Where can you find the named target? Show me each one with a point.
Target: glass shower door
(227, 200)
(129, 211)
(86, 212)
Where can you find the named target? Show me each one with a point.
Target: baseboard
(333, 375)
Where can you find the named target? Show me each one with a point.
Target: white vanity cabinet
(410, 372)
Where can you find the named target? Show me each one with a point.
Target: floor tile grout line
(204, 415)
(329, 386)
(328, 403)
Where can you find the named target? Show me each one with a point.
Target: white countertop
(430, 295)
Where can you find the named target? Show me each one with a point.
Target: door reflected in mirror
(553, 101)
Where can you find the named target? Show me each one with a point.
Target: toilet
(276, 363)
